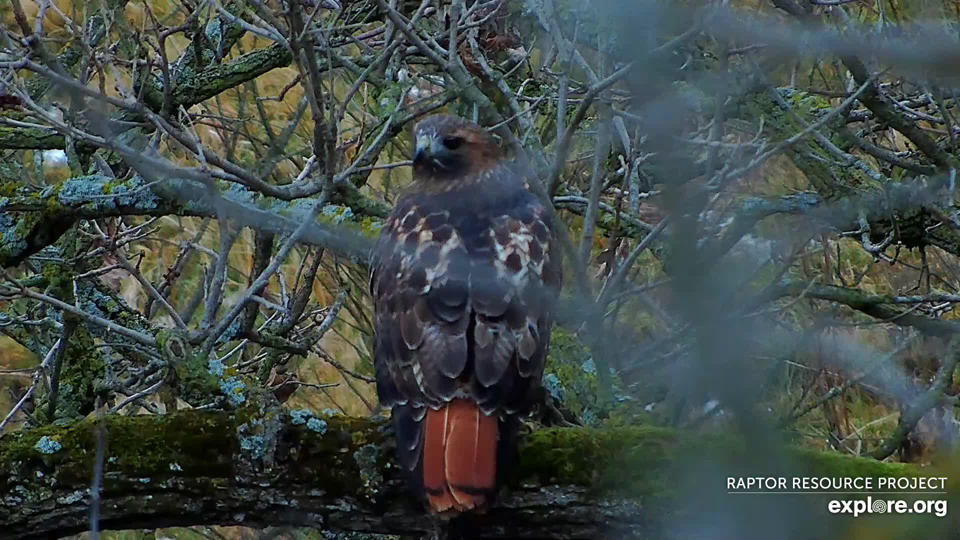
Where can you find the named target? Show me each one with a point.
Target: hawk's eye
(452, 143)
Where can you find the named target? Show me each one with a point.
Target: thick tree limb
(273, 469)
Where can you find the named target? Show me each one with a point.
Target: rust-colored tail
(459, 457)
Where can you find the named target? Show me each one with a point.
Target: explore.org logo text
(895, 506)
(855, 496)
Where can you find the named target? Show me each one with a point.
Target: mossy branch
(875, 305)
(47, 214)
(268, 467)
(212, 81)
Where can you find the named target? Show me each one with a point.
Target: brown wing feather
(513, 324)
(417, 306)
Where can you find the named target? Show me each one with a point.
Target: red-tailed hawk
(462, 279)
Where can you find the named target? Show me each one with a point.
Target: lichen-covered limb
(271, 468)
(847, 186)
(47, 139)
(31, 220)
(201, 86)
(17, 138)
(875, 305)
(826, 173)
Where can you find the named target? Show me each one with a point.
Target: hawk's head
(448, 147)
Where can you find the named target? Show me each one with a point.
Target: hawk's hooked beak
(429, 149)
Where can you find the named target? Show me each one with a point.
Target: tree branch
(274, 469)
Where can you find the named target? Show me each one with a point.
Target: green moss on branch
(263, 467)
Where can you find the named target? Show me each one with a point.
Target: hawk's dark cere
(462, 278)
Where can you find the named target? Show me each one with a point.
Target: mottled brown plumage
(462, 279)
